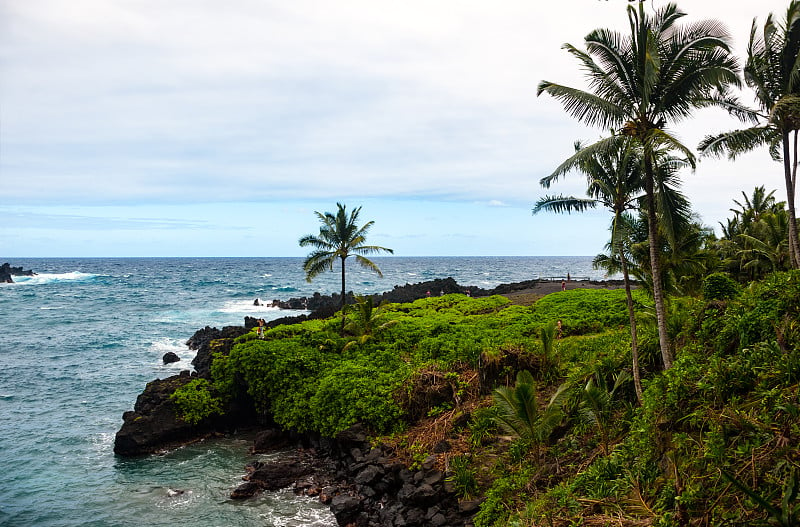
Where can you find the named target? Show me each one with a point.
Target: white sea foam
(247, 307)
(49, 278)
(169, 344)
(176, 346)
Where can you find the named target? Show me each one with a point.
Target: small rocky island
(7, 271)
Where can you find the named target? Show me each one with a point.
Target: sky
(206, 128)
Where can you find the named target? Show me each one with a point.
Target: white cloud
(141, 101)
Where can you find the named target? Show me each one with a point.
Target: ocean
(83, 337)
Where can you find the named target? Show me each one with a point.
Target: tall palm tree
(642, 82)
(614, 181)
(339, 237)
(773, 71)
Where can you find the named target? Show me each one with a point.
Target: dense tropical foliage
(548, 430)
(773, 72)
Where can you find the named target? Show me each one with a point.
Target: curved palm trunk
(341, 331)
(655, 267)
(637, 381)
(790, 176)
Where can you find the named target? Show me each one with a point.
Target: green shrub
(765, 311)
(352, 393)
(503, 497)
(720, 286)
(195, 401)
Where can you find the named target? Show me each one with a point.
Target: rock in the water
(279, 475)
(6, 272)
(153, 423)
(245, 490)
(170, 357)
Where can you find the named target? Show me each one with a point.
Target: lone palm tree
(614, 181)
(773, 71)
(640, 83)
(339, 237)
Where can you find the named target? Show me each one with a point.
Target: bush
(720, 286)
(195, 401)
(353, 393)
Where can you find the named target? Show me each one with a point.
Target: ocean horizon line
(6, 258)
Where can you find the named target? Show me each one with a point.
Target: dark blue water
(80, 341)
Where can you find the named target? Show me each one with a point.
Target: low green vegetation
(195, 401)
(311, 379)
(545, 427)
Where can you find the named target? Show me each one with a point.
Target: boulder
(245, 490)
(279, 474)
(269, 441)
(345, 508)
(170, 357)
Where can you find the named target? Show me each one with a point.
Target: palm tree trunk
(790, 175)
(655, 266)
(637, 381)
(341, 331)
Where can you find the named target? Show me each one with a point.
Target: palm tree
(773, 71)
(339, 237)
(640, 83)
(756, 238)
(366, 320)
(614, 180)
(597, 403)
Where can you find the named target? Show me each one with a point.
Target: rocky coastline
(364, 484)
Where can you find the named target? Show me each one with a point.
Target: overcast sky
(207, 128)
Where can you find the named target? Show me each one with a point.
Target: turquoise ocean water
(82, 338)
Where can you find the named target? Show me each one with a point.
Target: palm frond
(584, 154)
(584, 106)
(737, 142)
(562, 204)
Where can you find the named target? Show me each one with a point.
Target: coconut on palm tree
(773, 71)
(643, 82)
(339, 237)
